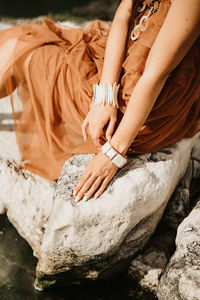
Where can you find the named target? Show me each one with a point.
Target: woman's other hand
(96, 177)
(98, 116)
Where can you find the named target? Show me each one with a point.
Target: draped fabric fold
(54, 67)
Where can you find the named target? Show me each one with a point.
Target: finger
(97, 142)
(102, 188)
(110, 129)
(81, 182)
(85, 188)
(96, 137)
(93, 188)
(84, 128)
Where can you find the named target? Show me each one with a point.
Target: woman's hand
(98, 174)
(98, 116)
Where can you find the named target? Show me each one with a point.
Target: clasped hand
(98, 116)
(100, 169)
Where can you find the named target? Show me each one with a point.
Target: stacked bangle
(105, 93)
(114, 156)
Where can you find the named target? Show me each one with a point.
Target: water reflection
(17, 271)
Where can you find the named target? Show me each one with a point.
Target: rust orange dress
(54, 68)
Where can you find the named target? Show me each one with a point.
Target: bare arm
(116, 41)
(100, 115)
(179, 31)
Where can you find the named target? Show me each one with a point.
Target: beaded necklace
(152, 8)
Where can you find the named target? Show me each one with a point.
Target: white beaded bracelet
(105, 93)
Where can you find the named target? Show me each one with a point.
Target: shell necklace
(152, 7)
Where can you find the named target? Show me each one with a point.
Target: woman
(151, 50)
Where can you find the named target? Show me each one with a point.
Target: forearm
(175, 36)
(140, 104)
(115, 47)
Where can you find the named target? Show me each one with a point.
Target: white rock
(25, 197)
(149, 264)
(99, 232)
(147, 267)
(181, 280)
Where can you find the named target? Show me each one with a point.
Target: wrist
(105, 93)
(118, 159)
(119, 146)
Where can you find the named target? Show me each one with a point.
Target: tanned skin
(179, 31)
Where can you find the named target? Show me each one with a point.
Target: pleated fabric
(54, 68)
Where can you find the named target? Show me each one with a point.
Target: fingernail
(85, 138)
(76, 198)
(109, 137)
(85, 198)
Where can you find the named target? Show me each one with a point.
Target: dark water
(30, 8)
(59, 9)
(17, 271)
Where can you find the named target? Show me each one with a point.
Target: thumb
(110, 129)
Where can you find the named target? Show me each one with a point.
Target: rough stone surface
(25, 197)
(99, 236)
(181, 203)
(181, 279)
(162, 244)
(147, 267)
